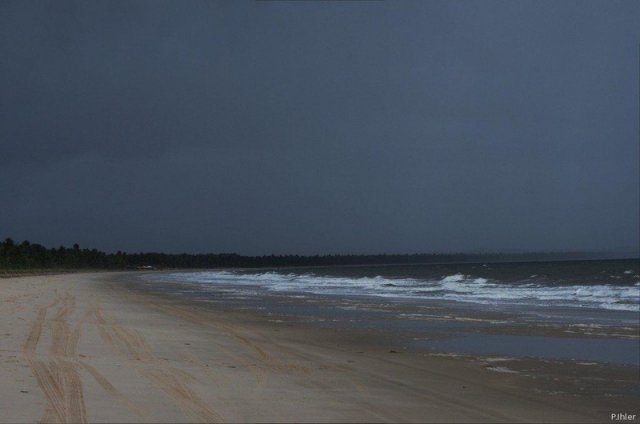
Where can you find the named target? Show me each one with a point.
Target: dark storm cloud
(314, 127)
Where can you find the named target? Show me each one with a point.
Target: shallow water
(617, 351)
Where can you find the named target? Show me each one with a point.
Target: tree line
(26, 255)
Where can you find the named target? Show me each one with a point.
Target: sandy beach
(87, 348)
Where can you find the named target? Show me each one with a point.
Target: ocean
(605, 284)
(569, 310)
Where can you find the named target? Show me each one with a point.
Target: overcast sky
(264, 127)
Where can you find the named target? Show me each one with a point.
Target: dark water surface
(578, 310)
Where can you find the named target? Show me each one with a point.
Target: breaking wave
(456, 287)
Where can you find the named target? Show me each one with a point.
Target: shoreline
(97, 347)
(425, 318)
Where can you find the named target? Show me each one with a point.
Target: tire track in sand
(58, 377)
(115, 393)
(172, 381)
(30, 345)
(255, 365)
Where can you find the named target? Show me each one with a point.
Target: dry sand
(80, 347)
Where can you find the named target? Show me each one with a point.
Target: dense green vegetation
(31, 256)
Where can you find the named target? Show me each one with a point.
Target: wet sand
(90, 348)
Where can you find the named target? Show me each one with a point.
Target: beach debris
(394, 351)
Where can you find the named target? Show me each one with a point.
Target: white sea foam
(453, 278)
(456, 287)
(503, 370)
